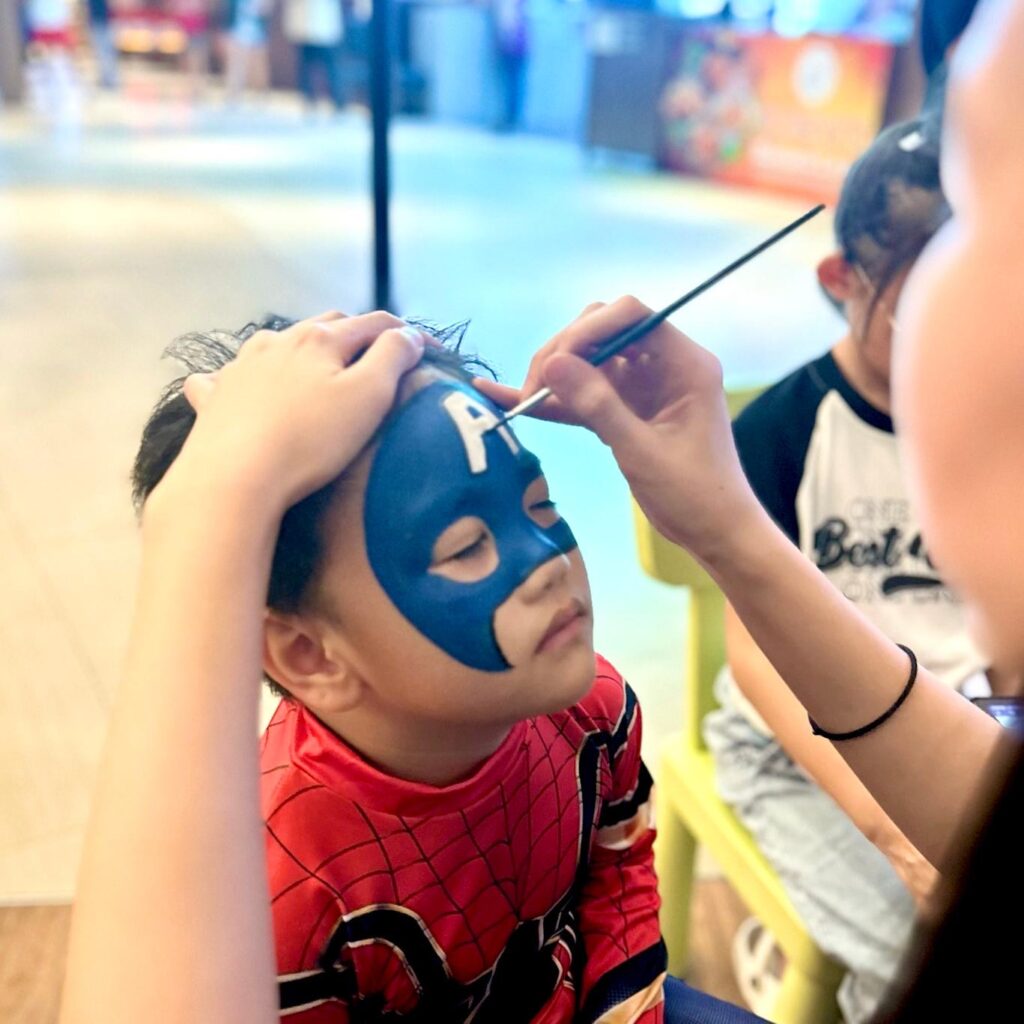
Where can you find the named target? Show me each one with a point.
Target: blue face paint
(436, 463)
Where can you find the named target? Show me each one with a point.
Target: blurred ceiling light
(796, 17)
(751, 10)
(701, 8)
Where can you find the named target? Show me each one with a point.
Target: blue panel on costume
(436, 463)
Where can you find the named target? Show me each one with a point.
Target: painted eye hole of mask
(538, 505)
(466, 552)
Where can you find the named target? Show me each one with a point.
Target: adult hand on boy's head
(295, 407)
(660, 407)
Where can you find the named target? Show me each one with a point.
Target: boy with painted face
(457, 816)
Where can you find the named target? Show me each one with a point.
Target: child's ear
(837, 277)
(302, 655)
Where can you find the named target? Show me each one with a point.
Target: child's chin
(575, 678)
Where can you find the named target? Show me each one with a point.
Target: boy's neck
(873, 388)
(418, 751)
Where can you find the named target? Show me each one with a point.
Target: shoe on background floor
(758, 963)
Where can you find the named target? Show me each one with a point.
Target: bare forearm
(172, 885)
(928, 763)
(762, 686)
(172, 922)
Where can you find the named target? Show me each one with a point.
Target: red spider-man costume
(523, 893)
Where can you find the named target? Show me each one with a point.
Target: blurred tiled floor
(151, 218)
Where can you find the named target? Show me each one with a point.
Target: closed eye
(538, 505)
(471, 549)
(465, 552)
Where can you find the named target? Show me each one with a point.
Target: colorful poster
(788, 114)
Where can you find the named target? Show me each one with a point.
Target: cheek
(932, 397)
(383, 641)
(856, 318)
(958, 374)
(878, 345)
(515, 632)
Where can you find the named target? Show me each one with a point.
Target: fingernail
(416, 336)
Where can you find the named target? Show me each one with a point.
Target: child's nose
(545, 577)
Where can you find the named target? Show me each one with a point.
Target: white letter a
(473, 420)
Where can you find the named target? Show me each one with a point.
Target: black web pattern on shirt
(490, 839)
(617, 739)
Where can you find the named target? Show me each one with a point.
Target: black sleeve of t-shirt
(772, 436)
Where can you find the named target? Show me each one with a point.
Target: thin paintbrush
(632, 334)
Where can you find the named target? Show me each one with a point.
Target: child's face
(456, 588)
(869, 314)
(872, 320)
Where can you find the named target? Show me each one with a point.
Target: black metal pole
(380, 108)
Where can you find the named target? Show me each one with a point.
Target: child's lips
(564, 628)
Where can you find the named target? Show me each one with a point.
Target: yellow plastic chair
(690, 811)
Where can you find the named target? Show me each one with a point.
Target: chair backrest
(670, 563)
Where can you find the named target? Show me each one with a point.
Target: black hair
(891, 203)
(942, 23)
(300, 541)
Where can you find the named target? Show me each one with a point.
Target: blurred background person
(193, 17)
(511, 49)
(50, 70)
(101, 33)
(246, 55)
(316, 28)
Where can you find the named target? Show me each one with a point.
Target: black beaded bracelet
(882, 718)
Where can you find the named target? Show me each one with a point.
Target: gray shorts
(848, 895)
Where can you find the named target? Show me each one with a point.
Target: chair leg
(675, 852)
(802, 1000)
